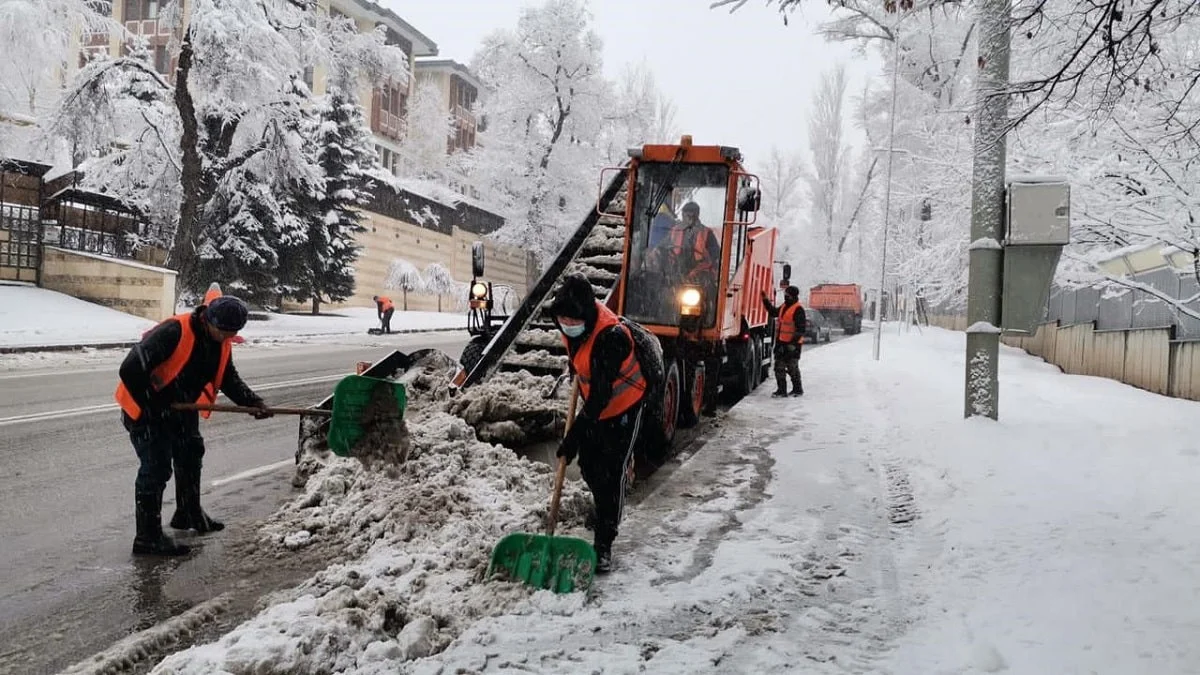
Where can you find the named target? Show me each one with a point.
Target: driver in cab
(689, 253)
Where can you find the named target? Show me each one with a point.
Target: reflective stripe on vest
(628, 385)
(166, 372)
(787, 324)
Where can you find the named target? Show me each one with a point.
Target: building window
(139, 10)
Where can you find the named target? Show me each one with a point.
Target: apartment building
(461, 91)
(399, 223)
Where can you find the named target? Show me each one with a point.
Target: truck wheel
(743, 360)
(473, 352)
(671, 395)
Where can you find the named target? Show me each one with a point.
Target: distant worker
(690, 252)
(602, 357)
(385, 308)
(213, 292)
(789, 336)
(185, 359)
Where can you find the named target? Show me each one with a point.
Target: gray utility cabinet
(1037, 225)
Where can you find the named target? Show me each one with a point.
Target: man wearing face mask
(602, 357)
(789, 336)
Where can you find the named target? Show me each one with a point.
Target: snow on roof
(450, 65)
(422, 45)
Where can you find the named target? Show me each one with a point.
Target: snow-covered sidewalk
(863, 528)
(32, 318)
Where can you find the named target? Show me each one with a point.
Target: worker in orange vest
(789, 337)
(602, 358)
(385, 308)
(185, 359)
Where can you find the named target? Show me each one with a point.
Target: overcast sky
(743, 79)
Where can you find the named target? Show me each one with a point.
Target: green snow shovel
(360, 404)
(561, 564)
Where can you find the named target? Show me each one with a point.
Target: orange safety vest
(385, 304)
(166, 372)
(211, 294)
(629, 384)
(787, 325)
(699, 245)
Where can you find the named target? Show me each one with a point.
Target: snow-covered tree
(403, 276)
(423, 152)
(539, 157)
(40, 39)
(235, 107)
(324, 260)
(638, 113)
(439, 281)
(782, 175)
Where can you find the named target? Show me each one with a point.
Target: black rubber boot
(150, 539)
(603, 558)
(188, 514)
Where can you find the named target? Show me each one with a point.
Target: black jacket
(799, 319)
(155, 348)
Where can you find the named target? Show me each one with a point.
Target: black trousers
(787, 364)
(161, 444)
(387, 320)
(604, 460)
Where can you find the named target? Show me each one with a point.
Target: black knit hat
(227, 313)
(574, 298)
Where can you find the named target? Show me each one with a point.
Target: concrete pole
(981, 392)
(887, 195)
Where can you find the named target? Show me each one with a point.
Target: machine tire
(473, 352)
(743, 381)
(672, 394)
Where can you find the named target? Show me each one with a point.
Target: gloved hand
(567, 450)
(262, 413)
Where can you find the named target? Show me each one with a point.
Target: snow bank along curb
(414, 545)
(21, 349)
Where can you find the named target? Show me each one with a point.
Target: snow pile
(36, 317)
(513, 408)
(539, 358)
(420, 544)
(538, 337)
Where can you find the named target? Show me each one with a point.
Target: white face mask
(573, 331)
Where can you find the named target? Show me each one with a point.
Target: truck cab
(695, 267)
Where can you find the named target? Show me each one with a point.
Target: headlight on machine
(689, 301)
(478, 291)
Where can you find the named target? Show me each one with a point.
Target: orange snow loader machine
(694, 267)
(841, 303)
(694, 270)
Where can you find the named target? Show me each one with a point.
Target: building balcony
(390, 125)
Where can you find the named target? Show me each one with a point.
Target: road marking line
(251, 473)
(104, 407)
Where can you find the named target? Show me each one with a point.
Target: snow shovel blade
(560, 564)
(351, 400)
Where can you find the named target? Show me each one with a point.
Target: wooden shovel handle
(317, 412)
(560, 473)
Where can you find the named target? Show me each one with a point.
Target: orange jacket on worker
(629, 384)
(385, 303)
(168, 370)
(787, 325)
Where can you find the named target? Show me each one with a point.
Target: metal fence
(1128, 309)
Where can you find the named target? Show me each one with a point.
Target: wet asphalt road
(68, 585)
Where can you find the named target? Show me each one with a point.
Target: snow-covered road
(863, 528)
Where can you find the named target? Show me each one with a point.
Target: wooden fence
(1143, 357)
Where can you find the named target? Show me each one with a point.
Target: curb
(129, 343)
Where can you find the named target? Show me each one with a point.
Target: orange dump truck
(840, 303)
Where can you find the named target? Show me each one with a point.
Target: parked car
(818, 328)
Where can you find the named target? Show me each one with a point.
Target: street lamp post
(887, 197)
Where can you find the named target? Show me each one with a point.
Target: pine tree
(345, 156)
